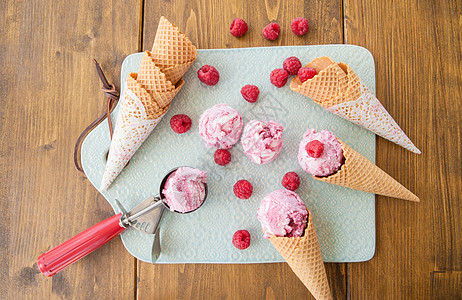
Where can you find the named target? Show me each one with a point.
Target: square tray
(344, 218)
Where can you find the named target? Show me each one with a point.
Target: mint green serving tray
(344, 218)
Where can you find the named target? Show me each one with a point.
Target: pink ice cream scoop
(282, 213)
(262, 141)
(185, 189)
(320, 153)
(220, 126)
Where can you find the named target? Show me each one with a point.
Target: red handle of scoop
(58, 258)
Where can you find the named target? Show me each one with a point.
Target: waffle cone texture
(303, 255)
(359, 173)
(338, 89)
(147, 96)
(173, 52)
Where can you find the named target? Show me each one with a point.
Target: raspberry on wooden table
(300, 26)
(271, 31)
(238, 27)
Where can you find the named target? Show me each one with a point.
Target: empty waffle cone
(175, 73)
(152, 107)
(155, 103)
(303, 255)
(133, 126)
(151, 77)
(139, 114)
(338, 89)
(360, 174)
(148, 95)
(171, 47)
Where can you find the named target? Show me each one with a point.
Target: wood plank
(228, 281)
(446, 285)
(207, 24)
(50, 93)
(417, 50)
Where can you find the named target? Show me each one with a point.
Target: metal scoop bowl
(145, 217)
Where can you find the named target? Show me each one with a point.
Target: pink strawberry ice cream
(220, 126)
(184, 190)
(262, 141)
(282, 213)
(320, 153)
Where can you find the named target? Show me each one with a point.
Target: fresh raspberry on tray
(291, 181)
(278, 77)
(241, 239)
(243, 189)
(208, 75)
(222, 157)
(250, 93)
(180, 123)
(292, 65)
(306, 73)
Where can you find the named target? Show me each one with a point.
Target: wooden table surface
(50, 92)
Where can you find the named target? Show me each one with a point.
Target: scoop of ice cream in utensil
(182, 190)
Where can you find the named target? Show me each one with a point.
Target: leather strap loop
(112, 96)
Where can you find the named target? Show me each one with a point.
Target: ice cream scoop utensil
(144, 217)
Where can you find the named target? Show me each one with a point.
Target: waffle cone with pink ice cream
(338, 89)
(262, 141)
(147, 96)
(289, 227)
(220, 126)
(329, 159)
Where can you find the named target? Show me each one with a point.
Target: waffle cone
(132, 128)
(151, 77)
(164, 99)
(303, 255)
(338, 89)
(360, 174)
(155, 104)
(171, 47)
(175, 73)
(329, 82)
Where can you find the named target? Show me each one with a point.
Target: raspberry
(222, 157)
(238, 27)
(279, 77)
(243, 189)
(314, 148)
(299, 26)
(208, 75)
(306, 73)
(292, 65)
(180, 123)
(291, 181)
(250, 93)
(271, 31)
(241, 239)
